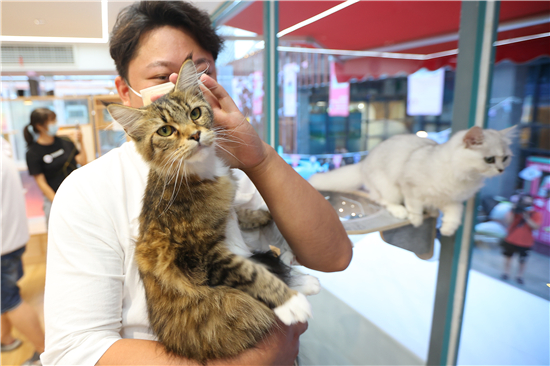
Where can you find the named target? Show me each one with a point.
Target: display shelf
(108, 135)
(360, 215)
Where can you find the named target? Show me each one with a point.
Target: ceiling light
(326, 13)
(422, 134)
(104, 32)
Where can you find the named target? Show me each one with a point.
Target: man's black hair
(141, 17)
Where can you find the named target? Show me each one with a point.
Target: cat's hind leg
(387, 194)
(231, 270)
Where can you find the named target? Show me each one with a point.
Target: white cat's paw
(448, 228)
(306, 284)
(415, 219)
(295, 310)
(397, 211)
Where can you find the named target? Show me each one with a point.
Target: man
(94, 302)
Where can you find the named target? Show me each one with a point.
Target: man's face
(161, 52)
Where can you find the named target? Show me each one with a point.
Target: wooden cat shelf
(360, 215)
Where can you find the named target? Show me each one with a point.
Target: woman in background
(50, 159)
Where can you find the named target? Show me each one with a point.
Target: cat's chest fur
(193, 212)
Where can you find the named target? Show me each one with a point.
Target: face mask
(147, 93)
(52, 129)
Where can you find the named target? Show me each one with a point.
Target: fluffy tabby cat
(407, 174)
(204, 302)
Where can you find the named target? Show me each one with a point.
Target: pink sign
(338, 96)
(258, 93)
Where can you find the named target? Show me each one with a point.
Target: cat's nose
(196, 136)
(500, 170)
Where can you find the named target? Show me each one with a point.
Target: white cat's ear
(509, 133)
(474, 136)
(187, 77)
(127, 117)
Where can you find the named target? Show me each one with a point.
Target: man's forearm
(307, 221)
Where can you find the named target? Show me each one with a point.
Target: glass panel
(240, 71)
(506, 318)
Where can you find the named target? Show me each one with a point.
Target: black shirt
(55, 161)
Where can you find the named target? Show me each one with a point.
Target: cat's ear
(474, 136)
(509, 133)
(187, 77)
(127, 117)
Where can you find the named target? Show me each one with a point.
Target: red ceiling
(372, 24)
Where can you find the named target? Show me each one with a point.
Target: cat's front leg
(414, 210)
(452, 218)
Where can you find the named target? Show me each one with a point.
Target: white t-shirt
(15, 228)
(93, 293)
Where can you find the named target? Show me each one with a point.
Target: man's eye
(166, 131)
(196, 114)
(490, 160)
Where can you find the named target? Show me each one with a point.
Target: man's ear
(123, 90)
(127, 117)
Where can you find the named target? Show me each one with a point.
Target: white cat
(407, 174)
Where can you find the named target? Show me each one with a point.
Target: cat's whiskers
(174, 193)
(227, 151)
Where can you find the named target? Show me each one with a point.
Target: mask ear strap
(135, 92)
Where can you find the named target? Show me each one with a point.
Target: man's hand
(238, 141)
(278, 348)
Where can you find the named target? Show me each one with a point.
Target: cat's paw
(289, 258)
(448, 228)
(306, 284)
(397, 211)
(415, 219)
(296, 310)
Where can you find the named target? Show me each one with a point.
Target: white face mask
(146, 94)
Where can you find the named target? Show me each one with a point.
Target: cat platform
(360, 215)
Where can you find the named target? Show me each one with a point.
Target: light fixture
(422, 134)
(315, 18)
(361, 105)
(104, 32)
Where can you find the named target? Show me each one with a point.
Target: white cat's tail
(345, 179)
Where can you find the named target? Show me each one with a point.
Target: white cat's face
(490, 157)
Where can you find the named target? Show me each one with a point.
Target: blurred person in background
(523, 220)
(15, 234)
(50, 158)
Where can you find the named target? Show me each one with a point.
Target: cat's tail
(345, 179)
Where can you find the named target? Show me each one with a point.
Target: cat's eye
(505, 158)
(490, 160)
(195, 114)
(166, 131)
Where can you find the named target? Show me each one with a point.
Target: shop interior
(332, 81)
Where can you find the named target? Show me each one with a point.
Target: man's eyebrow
(160, 63)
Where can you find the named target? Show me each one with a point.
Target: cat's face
(489, 150)
(176, 130)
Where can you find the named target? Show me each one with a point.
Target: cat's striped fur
(204, 302)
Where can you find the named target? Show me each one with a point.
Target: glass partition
(506, 318)
(240, 71)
